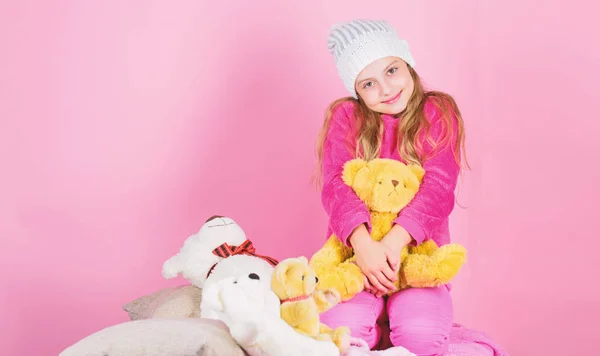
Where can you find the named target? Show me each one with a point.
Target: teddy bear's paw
(329, 297)
(341, 337)
(323, 337)
(420, 271)
(353, 280)
(449, 260)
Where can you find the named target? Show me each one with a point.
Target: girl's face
(385, 85)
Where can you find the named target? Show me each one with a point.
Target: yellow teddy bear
(386, 186)
(294, 282)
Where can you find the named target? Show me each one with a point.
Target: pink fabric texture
(419, 319)
(427, 214)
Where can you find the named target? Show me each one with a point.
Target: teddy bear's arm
(326, 299)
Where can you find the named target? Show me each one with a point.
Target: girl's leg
(421, 319)
(359, 314)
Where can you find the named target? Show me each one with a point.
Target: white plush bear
(251, 312)
(238, 266)
(196, 257)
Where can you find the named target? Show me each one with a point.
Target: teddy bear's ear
(351, 168)
(303, 259)
(417, 170)
(281, 271)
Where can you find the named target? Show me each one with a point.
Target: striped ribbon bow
(246, 248)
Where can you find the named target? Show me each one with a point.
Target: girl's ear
(417, 170)
(351, 168)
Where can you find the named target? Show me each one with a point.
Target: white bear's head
(252, 268)
(196, 257)
(238, 298)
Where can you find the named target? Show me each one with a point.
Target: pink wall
(114, 147)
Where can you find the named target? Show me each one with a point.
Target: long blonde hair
(410, 128)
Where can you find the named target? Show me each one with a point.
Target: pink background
(125, 124)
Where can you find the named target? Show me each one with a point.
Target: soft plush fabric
(252, 313)
(173, 302)
(159, 337)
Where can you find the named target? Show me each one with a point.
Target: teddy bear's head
(293, 278)
(385, 185)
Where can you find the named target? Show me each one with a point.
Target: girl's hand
(396, 239)
(372, 258)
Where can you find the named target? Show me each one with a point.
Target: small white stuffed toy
(196, 258)
(252, 313)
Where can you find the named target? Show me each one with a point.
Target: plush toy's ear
(281, 271)
(351, 168)
(172, 267)
(303, 259)
(417, 170)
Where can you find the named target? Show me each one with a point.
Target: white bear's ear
(351, 168)
(417, 170)
(211, 299)
(172, 267)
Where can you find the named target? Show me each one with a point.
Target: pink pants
(419, 319)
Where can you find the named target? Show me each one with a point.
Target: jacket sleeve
(435, 199)
(345, 209)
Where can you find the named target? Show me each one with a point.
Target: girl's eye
(392, 70)
(368, 85)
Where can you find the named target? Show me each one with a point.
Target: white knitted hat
(358, 43)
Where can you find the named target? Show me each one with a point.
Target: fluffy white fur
(195, 257)
(237, 267)
(251, 312)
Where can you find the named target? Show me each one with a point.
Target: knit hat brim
(354, 50)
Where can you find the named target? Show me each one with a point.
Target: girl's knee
(421, 319)
(360, 314)
(361, 326)
(420, 339)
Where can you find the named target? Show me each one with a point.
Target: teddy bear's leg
(340, 336)
(426, 248)
(440, 268)
(419, 271)
(349, 280)
(324, 336)
(331, 254)
(449, 260)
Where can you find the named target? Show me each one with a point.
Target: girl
(389, 114)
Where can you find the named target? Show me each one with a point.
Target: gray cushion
(159, 337)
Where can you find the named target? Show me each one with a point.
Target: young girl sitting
(389, 115)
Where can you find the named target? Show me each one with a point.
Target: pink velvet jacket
(427, 214)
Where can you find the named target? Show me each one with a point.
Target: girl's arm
(345, 209)
(434, 201)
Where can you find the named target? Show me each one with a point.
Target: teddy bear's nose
(395, 182)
